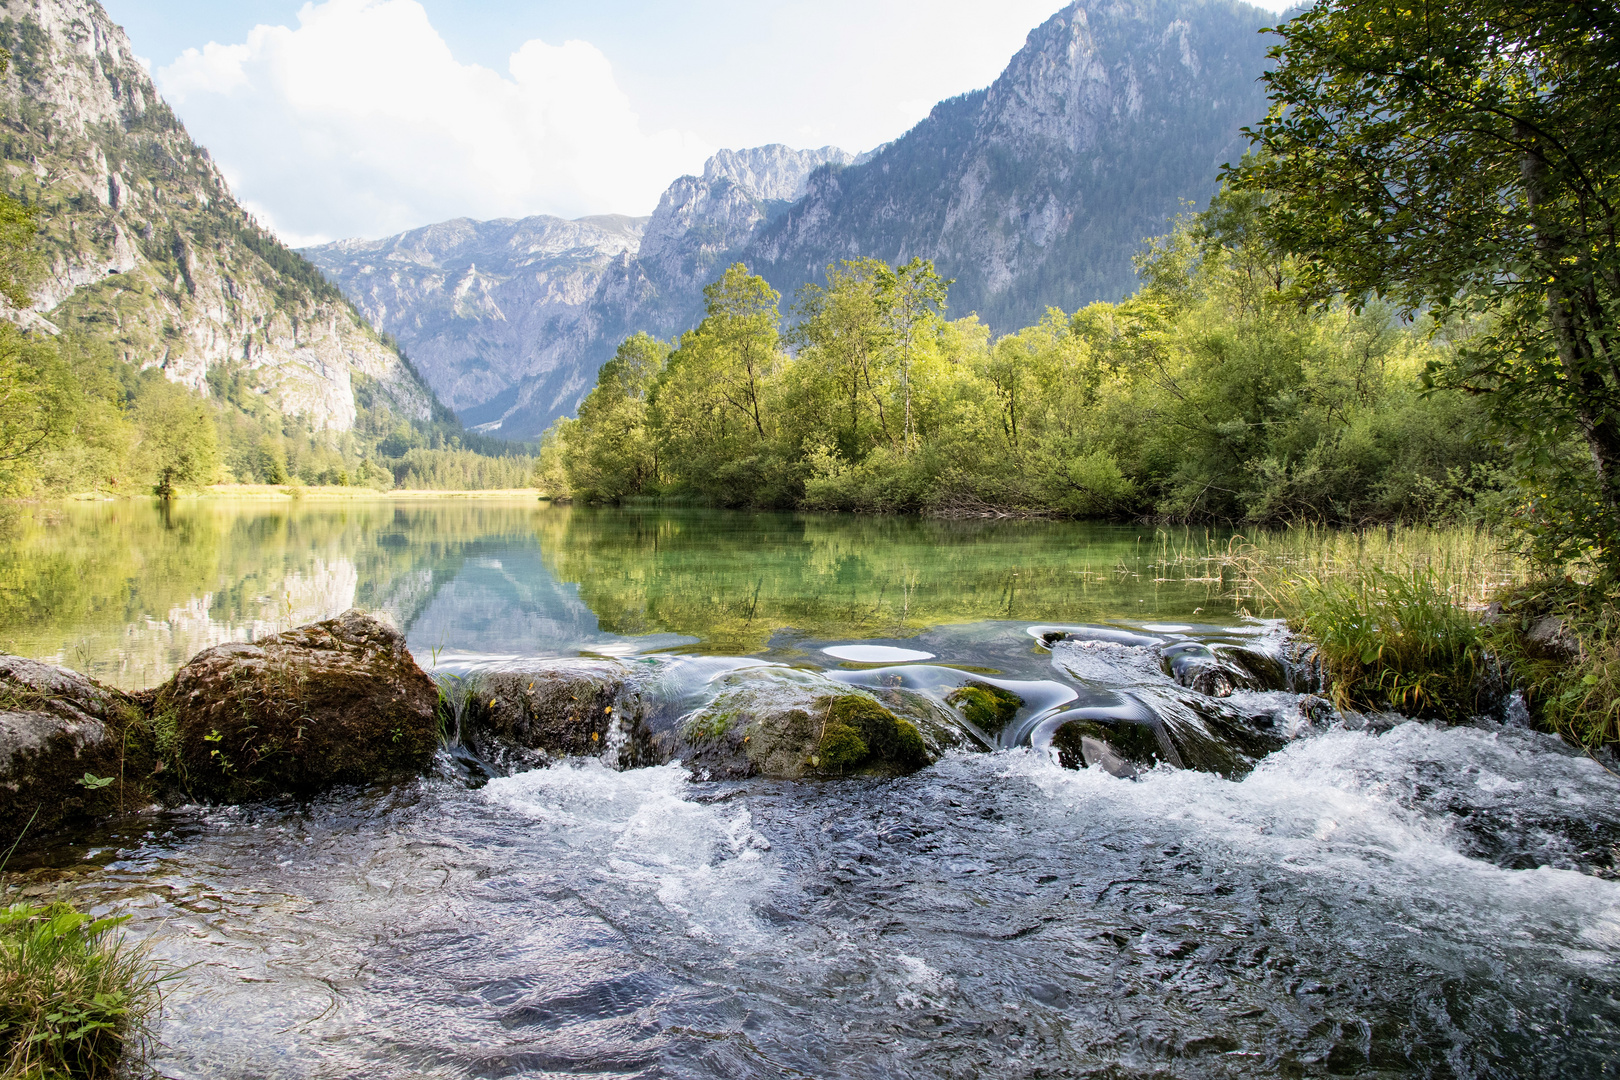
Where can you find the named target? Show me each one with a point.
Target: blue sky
(366, 117)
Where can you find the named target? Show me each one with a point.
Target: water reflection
(127, 591)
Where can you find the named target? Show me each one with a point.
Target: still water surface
(1414, 901)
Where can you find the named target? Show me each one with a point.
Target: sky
(368, 117)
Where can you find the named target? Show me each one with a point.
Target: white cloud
(361, 122)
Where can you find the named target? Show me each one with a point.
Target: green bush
(1560, 641)
(76, 998)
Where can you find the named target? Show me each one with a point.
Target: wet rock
(71, 750)
(335, 702)
(988, 708)
(1118, 748)
(789, 724)
(1217, 670)
(1316, 712)
(536, 712)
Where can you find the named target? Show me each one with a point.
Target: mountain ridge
(145, 248)
(1034, 192)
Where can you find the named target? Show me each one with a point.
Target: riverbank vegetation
(76, 998)
(1212, 395)
(75, 418)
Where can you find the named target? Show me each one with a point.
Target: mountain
(1037, 191)
(509, 320)
(1032, 193)
(145, 248)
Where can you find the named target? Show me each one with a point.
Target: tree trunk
(1588, 391)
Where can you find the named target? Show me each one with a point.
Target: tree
(179, 445)
(841, 330)
(910, 297)
(710, 405)
(1463, 156)
(610, 453)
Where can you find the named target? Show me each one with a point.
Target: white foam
(704, 864)
(1341, 805)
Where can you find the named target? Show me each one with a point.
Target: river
(1393, 899)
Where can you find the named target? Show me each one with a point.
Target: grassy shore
(325, 493)
(1437, 623)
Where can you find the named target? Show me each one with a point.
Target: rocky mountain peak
(774, 172)
(146, 248)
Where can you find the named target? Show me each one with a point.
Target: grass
(76, 997)
(1394, 639)
(1396, 614)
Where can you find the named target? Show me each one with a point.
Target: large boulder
(335, 702)
(530, 713)
(790, 724)
(71, 750)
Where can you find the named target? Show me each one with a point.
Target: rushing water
(1398, 900)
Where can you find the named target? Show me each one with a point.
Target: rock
(1118, 748)
(1219, 669)
(789, 724)
(61, 735)
(530, 714)
(988, 708)
(335, 702)
(1550, 637)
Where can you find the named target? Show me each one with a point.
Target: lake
(1376, 899)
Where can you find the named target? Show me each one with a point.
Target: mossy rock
(72, 751)
(862, 735)
(336, 702)
(788, 724)
(989, 708)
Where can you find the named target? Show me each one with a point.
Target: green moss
(890, 742)
(710, 725)
(841, 747)
(989, 708)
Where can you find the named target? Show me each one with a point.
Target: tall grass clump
(76, 997)
(1393, 639)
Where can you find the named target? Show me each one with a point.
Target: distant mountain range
(1033, 193)
(146, 250)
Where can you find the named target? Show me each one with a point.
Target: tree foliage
(1211, 395)
(1463, 156)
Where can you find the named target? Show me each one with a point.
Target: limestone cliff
(145, 246)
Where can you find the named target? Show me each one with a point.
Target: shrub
(1560, 640)
(75, 997)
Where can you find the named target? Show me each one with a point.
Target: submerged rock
(988, 708)
(71, 749)
(1118, 748)
(788, 724)
(532, 713)
(335, 702)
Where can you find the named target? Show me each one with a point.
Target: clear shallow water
(1420, 902)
